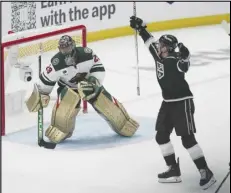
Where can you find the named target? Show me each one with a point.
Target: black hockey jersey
(170, 72)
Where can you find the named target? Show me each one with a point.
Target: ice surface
(96, 160)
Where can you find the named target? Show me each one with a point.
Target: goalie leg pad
(37, 100)
(115, 114)
(63, 116)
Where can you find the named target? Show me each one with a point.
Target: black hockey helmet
(169, 41)
(66, 44)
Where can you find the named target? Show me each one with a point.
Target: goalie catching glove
(89, 89)
(37, 100)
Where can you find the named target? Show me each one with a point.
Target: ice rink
(96, 160)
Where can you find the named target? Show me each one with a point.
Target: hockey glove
(137, 23)
(184, 52)
(89, 89)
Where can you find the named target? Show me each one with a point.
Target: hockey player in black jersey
(177, 109)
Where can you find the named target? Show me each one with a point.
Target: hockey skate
(173, 175)
(207, 178)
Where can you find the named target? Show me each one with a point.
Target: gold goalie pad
(115, 114)
(37, 100)
(63, 116)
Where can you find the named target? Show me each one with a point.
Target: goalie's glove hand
(88, 90)
(137, 23)
(184, 52)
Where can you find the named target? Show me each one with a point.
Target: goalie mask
(166, 44)
(66, 45)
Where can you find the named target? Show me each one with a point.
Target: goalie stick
(41, 141)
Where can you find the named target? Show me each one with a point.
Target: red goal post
(33, 50)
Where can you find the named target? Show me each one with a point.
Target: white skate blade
(170, 180)
(209, 184)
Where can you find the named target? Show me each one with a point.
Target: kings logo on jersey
(160, 70)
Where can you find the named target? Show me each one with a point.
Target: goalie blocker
(67, 108)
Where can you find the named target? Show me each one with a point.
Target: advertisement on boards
(94, 16)
(98, 16)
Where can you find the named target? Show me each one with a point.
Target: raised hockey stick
(41, 141)
(137, 54)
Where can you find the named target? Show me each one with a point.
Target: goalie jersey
(68, 70)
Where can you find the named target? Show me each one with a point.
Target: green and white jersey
(70, 69)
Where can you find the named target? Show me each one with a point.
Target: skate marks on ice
(91, 132)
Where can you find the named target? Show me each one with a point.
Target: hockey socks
(207, 177)
(172, 175)
(168, 153)
(197, 156)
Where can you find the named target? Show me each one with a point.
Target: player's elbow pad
(45, 85)
(183, 66)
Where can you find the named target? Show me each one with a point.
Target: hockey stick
(223, 181)
(41, 141)
(137, 57)
(226, 27)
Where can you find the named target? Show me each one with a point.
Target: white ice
(96, 160)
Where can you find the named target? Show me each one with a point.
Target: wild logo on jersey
(160, 70)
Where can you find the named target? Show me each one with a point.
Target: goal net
(19, 71)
